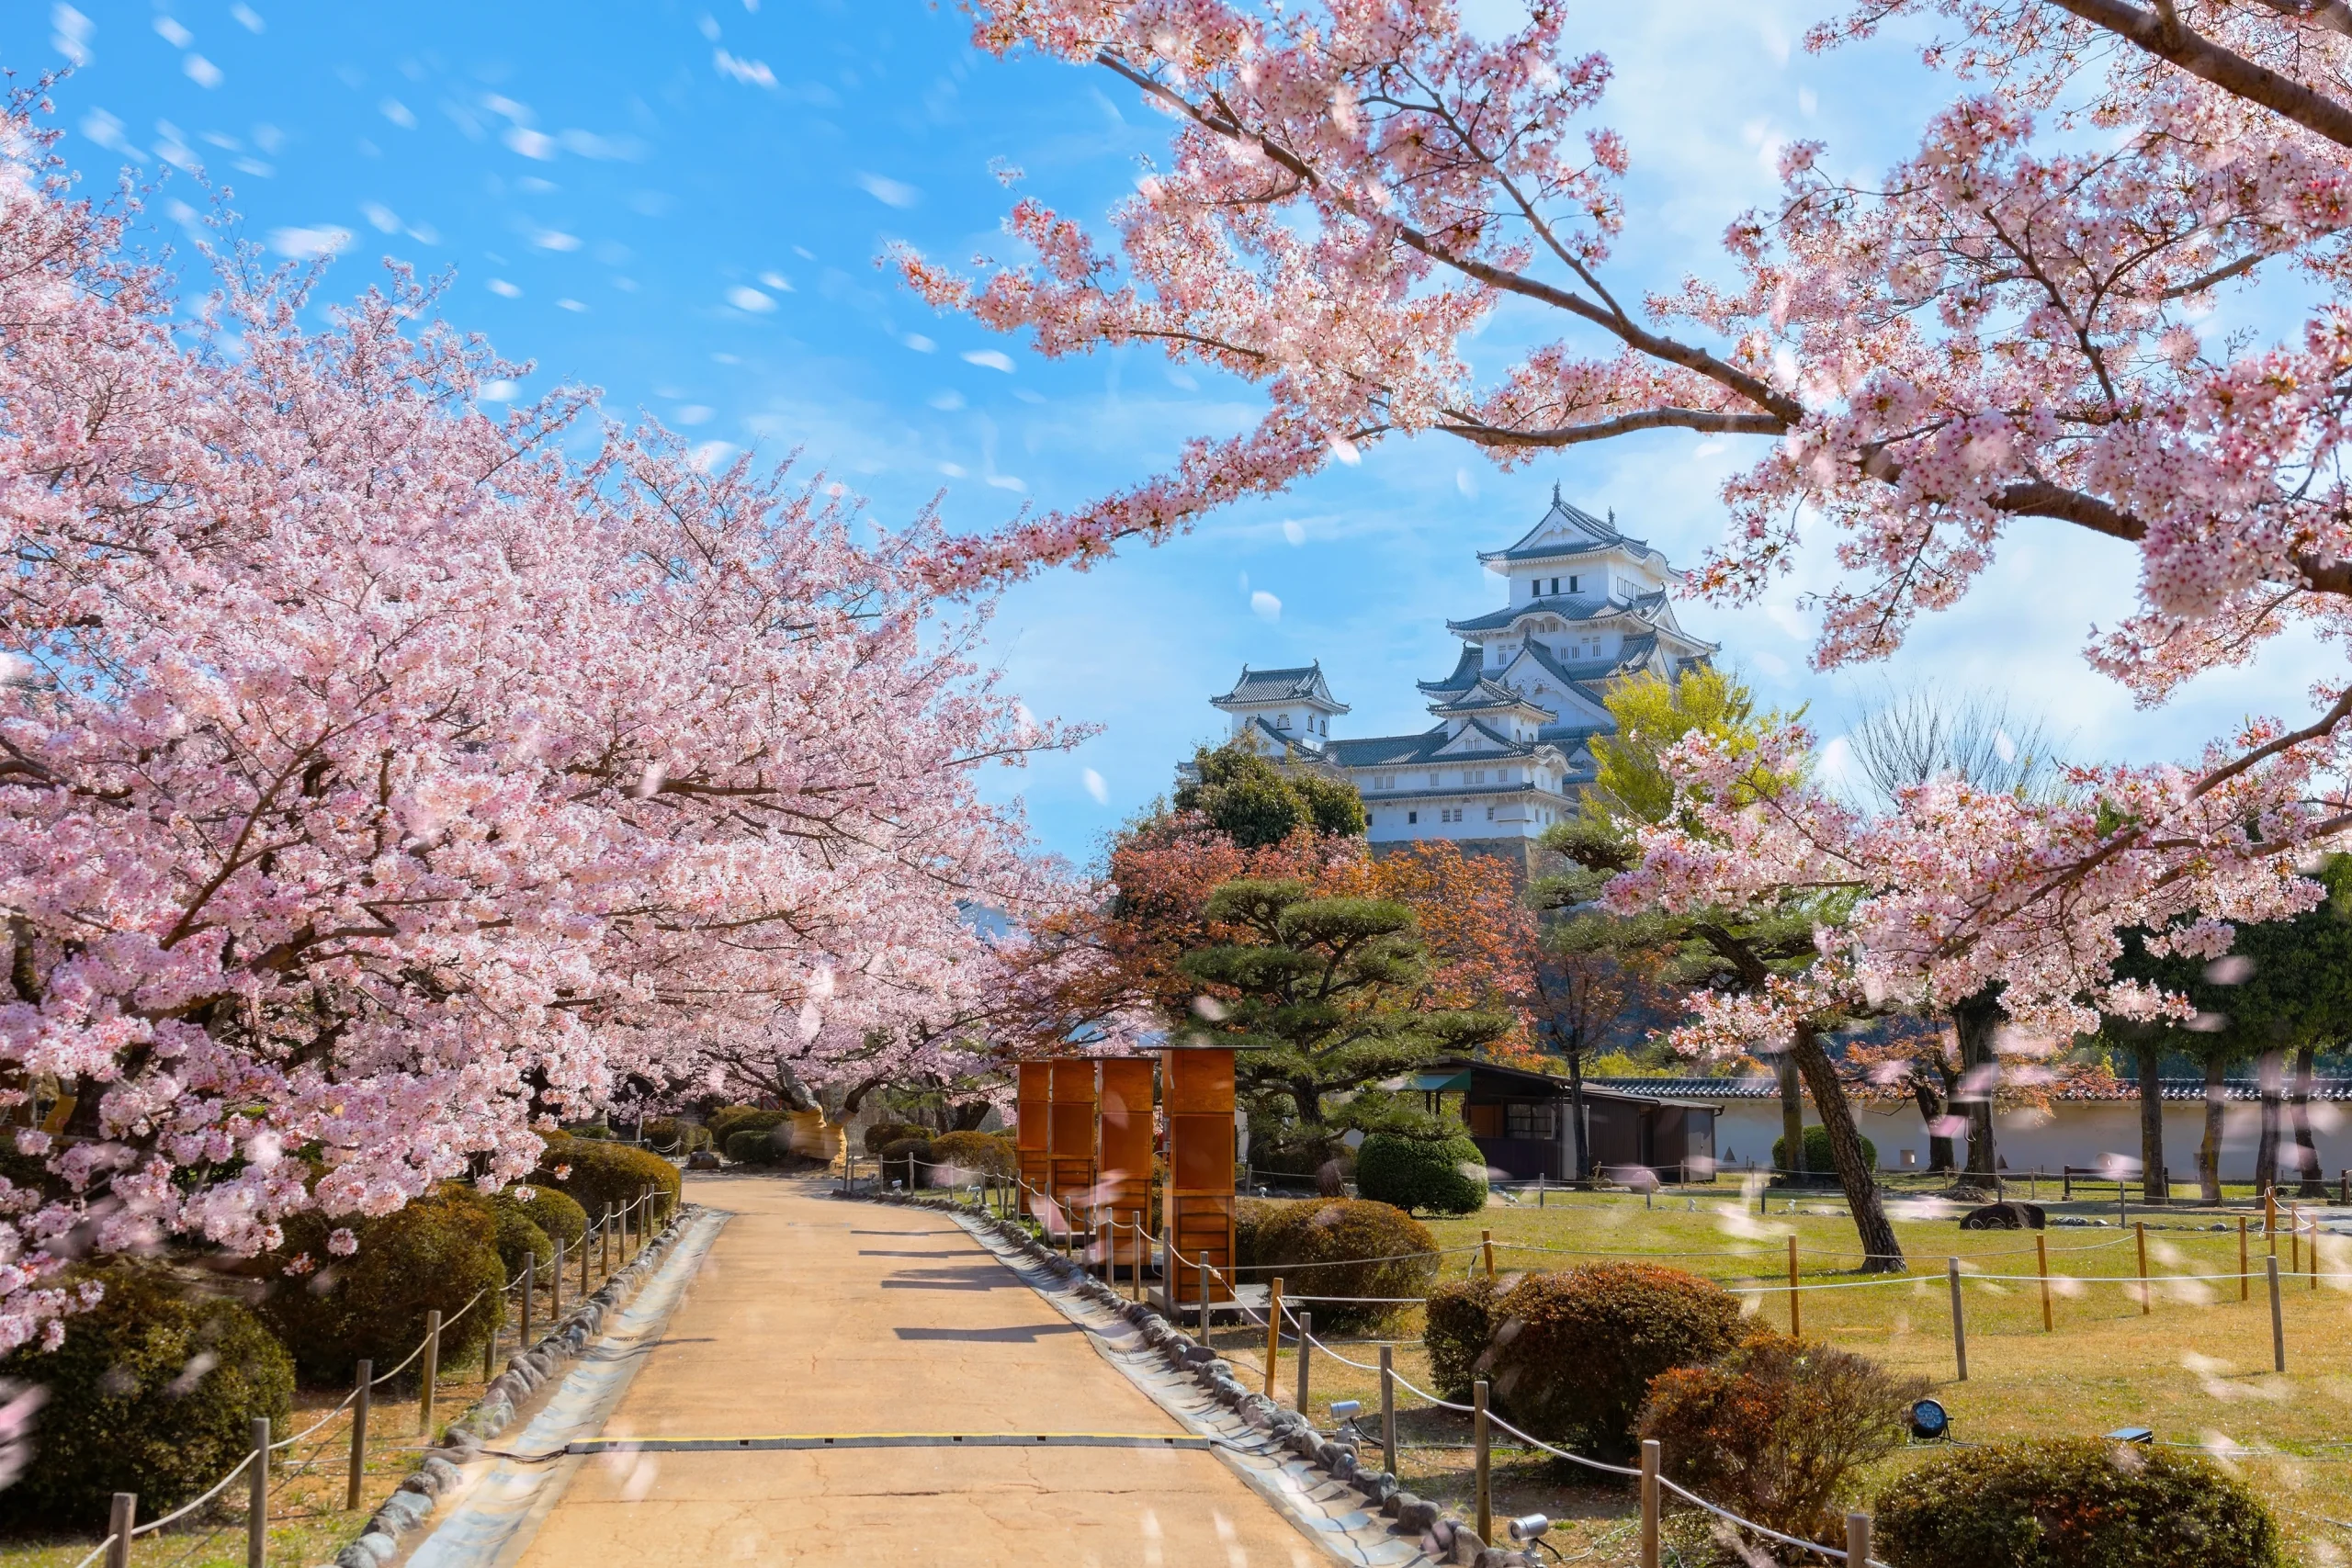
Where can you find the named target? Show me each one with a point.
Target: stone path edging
(1311, 1477)
(440, 1474)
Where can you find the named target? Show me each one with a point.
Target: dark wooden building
(1520, 1122)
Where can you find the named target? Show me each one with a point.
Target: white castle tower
(1589, 607)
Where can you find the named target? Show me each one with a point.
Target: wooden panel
(1033, 1112)
(1196, 1089)
(1124, 1144)
(1069, 1142)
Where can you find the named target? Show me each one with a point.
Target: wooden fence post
(2041, 1259)
(1486, 1241)
(1796, 1305)
(1857, 1539)
(257, 1497)
(1649, 1502)
(1387, 1410)
(1959, 1318)
(1480, 1438)
(2278, 1323)
(359, 1402)
(432, 1371)
(1274, 1331)
(1202, 1260)
(2143, 1228)
(2246, 1284)
(1305, 1358)
(121, 1516)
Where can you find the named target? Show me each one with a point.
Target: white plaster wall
(2070, 1132)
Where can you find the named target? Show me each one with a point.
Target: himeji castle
(1589, 607)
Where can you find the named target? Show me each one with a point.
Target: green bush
(1458, 1326)
(1817, 1158)
(905, 1160)
(595, 1130)
(593, 1175)
(758, 1145)
(883, 1133)
(1574, 1351)
(729, 1119)
(560, 1218)
(519, 1239)
(437, 1252)
(150, 1393)
(1778, 1430)
(670, 1136)
(1347, 1247)
(1417, 1174)
(2073, 1502)
(1250, 1218)
(982, 1154)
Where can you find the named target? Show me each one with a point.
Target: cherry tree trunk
(1791, 1123)
(2298, 1110)
(1931, 1111)
(1881, 1253)
(1975, 1021)
(2154, 1186)
(2265, 1148)
(2208, 1153)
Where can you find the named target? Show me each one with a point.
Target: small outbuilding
(1523, 1123)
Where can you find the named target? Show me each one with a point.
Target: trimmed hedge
(150, 1393)
(437, 1252)
(982, 1154)
(883, 1133)
(1347, 1247)
(755, 1145)
(901, 1160)
(1818, 1161)
(1417, 1174)
(2073, 1502)
(596, 1174)
(1250, 1218)
(1457, 1328)
(1778, 1430)
(1574, 1351)
(562, 1219)
(678, 1138)
(519, 1239)
(729, 1119)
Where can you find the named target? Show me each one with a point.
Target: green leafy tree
(1256, 803)
(2285, 986)
(1332, 992)
(1744, 949)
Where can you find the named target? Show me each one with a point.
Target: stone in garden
(2009, 1216)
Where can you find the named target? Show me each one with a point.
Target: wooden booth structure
(1033, 1120)
(1070, 1136)
(1123, 1149)
(1196, 1205)
(1523, 1123)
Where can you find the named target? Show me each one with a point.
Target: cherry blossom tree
(379, 783)
(2007, 328)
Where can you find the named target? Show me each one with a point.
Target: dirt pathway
(814, 1317)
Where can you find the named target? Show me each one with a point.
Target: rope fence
(627, 1226)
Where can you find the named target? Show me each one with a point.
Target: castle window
(1412, 817)
(1555, 585)
(1490, 814)
(1282, 722)
(1572, 585)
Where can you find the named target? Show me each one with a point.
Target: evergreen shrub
(1817, 1158)
(1574, 1351)
(729, 1119)
(1457, 1328)
(437, 1252)
(981, 1154)
(1347, 1247)
(593, 1175)
(1422, 1175)
(560, 1217)
(908, 1160)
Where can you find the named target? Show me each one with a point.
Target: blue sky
(682, 204)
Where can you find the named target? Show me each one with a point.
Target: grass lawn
(2196, 1366)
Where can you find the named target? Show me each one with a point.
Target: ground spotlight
(1930, 1422)
(1528, 1526)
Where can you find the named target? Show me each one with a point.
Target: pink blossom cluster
(2012, 323)
(380, 783)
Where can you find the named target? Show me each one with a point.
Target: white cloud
(248, 17)
(1265, 606)
(1096, 787)
(499, 391)
(325, 240)
(173, 33)
(989, 359)
(919, 342)
(605, 148)
(399, 113)
(693, 413)
(954, 471)
(201, 71)
(749, 300)
(504, 290)
(530, 143)
(1183, 379)
(382, 217)
(1294, 530)
(572, 305)
(890, 192)
(71, 37)
(776, 281)
(555, 240)
(1464, 482)
(947, 403)
(1006, 482)
(750, 73)
(711, 455)
(106, 131)
(1345, 450)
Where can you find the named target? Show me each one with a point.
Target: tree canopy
(1256, 803)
